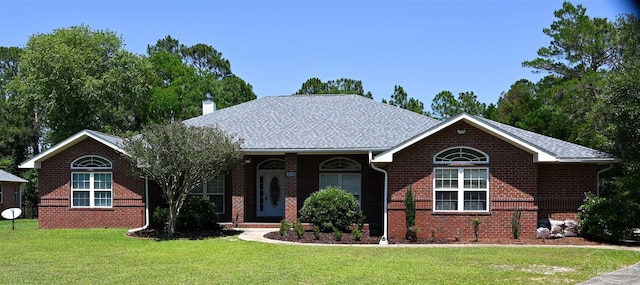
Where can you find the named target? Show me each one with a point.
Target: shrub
(197, 214)
(337, 234)
(410, 214)
(476, 228)
(331, 208)
(160, 218)
(284, 228)
(316, 232)
(515, 223)
(298, 228)
(608, 218)
(357, 234)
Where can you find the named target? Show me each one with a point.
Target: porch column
(291, 187)
(239, 190)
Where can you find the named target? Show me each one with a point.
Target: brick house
(10, 196)
(460, 169)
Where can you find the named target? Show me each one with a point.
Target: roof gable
(543, 148)
(111, 141)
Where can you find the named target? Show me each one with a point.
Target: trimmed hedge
(331, 208)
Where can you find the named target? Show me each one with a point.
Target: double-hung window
(1, 194)
(212, 190)
(461, 184)
(91, 186)
(343, 173)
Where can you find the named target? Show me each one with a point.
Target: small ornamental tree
(180, 158)
(410, 214)
(331, 208)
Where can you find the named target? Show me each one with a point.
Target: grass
(29, 255)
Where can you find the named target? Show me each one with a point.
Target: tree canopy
(400, 99)
(339, 86)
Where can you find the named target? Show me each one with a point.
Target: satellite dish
(11, 213)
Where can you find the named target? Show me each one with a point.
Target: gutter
(384, 240)
(598, 178)
(146, 208)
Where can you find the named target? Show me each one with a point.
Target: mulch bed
(347, 238)
(200, 235)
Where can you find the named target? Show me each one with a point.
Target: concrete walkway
(628, 275)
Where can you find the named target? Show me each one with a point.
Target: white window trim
(460, 190)
(204, 194)
(357, 165)
(91, 189)
(110, 166)
(1, 193)
(340, 182)
(461, 161)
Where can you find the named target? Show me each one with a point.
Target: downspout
(146, 208)
(598, 179)
(384, 240)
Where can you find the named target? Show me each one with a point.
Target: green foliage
(337, 234)
(410, 212)
(298, 228)
(160, 218)
(180, 158)
(78, 78)
(284, 228)
(197, 214)
(476, 228)
(401, 99)
(331, 208)
(515, 223)
(445, 105)
(30, 195)
(608, 218)
(357, 234)
(340, 86)
(316, 232)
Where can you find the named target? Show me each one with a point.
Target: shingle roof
(8, 177)
(316, 122)
(561, 149)
(544, 148)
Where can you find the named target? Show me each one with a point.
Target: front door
(270, 192)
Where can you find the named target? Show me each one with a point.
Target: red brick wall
(307, 181)
(55, 210)
(10, 195)
(562, 188)
(512, 184)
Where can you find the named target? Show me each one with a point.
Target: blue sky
(424, 46)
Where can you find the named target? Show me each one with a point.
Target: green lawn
(30, 255)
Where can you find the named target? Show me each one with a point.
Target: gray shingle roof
(561, 149)
(115, 140)
(316, 122)
(8, 177)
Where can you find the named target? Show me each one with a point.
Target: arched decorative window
(461, 154)
(91, 162)
(340, 164)
(92, 183)
(272, 164)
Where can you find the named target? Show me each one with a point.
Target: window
(350, 182)
(88, 188)
(459, 189)
(214, 191)
(1, 194)
(91, 189)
